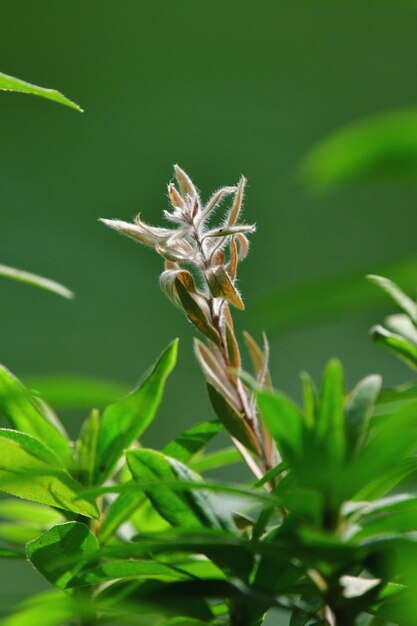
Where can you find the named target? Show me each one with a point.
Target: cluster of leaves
(127, 534)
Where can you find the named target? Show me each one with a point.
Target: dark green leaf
(27, 413)
(232, 421)
(330, 429)
(186, 445)
(61, 552)
(9, 83)
(185, 509)
(126, 420)
(195, 313)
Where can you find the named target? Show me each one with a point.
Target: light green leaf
(186, 445)
(27, 413)
(285, 423)
(26, 472)
(9, 83)
(329, 430)
(183, 448)
(399, 297)
(18, 533)
(358, 411)
(216, 460)
(71, 392)
(378, 147)
(27, 278)
(61, 552)
(126, 420)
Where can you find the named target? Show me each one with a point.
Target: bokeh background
(222, 87)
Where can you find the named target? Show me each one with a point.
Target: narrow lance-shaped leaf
(183, 448)
(61, 552)
(27, 278)
(27, 470)
(358, 411)
(9, 83)
(26, 413)
(330, 433)
(285, 423)
(126, 420)
(86, 449)
(403, 348)
(399, 297)
(189, 509)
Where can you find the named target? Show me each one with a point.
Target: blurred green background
(222, 87)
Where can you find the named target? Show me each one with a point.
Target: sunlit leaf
(9, 83)
(126, 420)
(114, 570)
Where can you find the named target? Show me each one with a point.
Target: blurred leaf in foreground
(324, 299)
(381, 146)
(34, 280)
(9, 83)
(76, 392)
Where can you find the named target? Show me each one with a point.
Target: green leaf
(186, 445)
(29, 512)
(187, 509)
(358, 411)
(329, 298)
(126, 420)
(399, 297)
(26, 472)
(32, 445)
(115, 570)
(86, 448)
(27, 413)
(69, 392)
(285, 423)
(374, 147)
(216, 460)
(391, 516)
(9, 83)
(27, 278)
(401, 347)
(329, 430)
(232, 421)
(6, 553)
(61, 552)
(18, 533)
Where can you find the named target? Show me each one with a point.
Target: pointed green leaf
(285, 423)
(193, 440)
(29, 512)
(402, 348)
(9, 83)
(61, 552)
(27, 472)
(329, 431)
(187, 509)
(126, 420)
(27, 278)
(27, 413)
(86, 449)
(358, 411)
